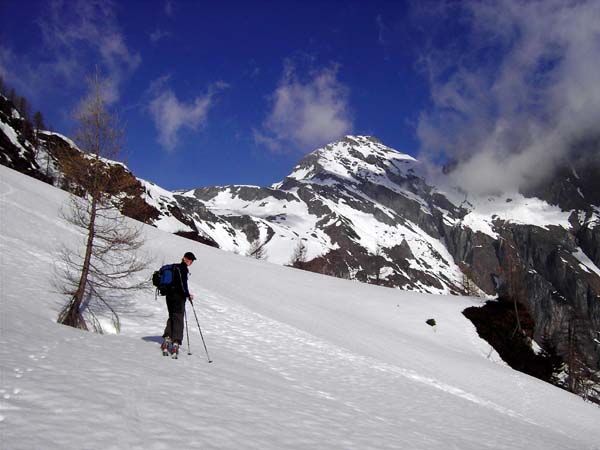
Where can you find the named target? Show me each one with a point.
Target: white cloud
(159, 35)
(27, 76)
(306, 114)
(512, 99)
(172, 115)
(76, 36)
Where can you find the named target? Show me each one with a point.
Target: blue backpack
(163, 279)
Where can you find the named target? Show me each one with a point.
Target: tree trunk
(71, 315)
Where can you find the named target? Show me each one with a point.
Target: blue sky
(214, 93)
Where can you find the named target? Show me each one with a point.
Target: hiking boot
(166, 346)
(174, 350)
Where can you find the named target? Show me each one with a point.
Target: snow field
(301, 361)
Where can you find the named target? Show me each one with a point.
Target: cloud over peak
(511, 99)
(306, 112)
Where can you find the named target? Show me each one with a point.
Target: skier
(176, 297)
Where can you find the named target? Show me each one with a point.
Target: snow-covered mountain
(301, 360)
(358, 209)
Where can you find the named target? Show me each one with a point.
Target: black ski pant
(176, 308)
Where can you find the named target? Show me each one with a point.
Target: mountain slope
(300, 360)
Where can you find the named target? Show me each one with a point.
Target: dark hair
(190, 256)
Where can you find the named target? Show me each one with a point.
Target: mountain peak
(360, 139)
(351, 158)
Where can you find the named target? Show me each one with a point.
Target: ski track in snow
(5, 189)
(289, 351)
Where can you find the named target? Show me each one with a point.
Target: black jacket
(180, 280)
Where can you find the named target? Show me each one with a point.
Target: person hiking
(176, 297)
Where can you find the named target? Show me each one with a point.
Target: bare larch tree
(102, 271)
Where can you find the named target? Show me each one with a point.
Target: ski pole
(201, 335)
(187, 331)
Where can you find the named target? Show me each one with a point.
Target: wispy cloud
(172, 115)
(382, 39)
(76, 36)
(381, 29)
(306, 112)
(253, 70)
(515, 96)
(169, 8)
(12, 70)
(159, 35)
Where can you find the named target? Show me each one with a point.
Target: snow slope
(301, 361)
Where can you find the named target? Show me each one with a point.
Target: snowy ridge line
(61, 136)
(513, 208)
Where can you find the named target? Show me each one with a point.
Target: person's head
(189, 258)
